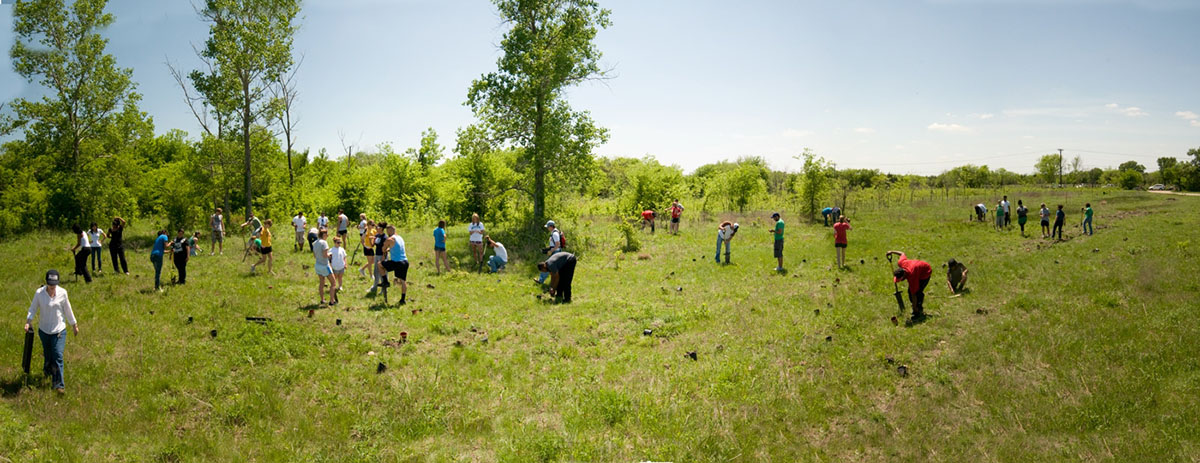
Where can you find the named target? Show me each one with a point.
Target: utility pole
(1060, 167)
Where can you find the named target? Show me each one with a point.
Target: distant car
(1157, 186)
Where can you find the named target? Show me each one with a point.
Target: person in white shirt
(300, 224)
(343, 224)
(476, 230)
(95, 233)
(1007, 215)
(81, 250)
(555, 246)
(725, 233)
(53, 309)
(337, 262)
(321, 253)
(216, 223)
(500, 259)
(322, 221)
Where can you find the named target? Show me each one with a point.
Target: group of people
(649, 216)
(1004, 218)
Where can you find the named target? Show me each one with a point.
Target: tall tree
(430, 152)
(74, 125)
(548, 49)
(250, 46)
(816, 174)
(1049, 167)
(285, 92)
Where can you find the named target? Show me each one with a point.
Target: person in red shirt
(648, 217)
(839, 239)
(676, 211)
(917, 273)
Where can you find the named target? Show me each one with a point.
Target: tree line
(84, 151)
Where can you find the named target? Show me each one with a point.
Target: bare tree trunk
(246, 142)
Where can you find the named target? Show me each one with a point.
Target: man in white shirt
(53, 308)
(300, 224)
(322, 221)
(500, 259)
(1007, 215)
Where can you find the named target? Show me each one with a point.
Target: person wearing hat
(555, 246)
(561, 267)
(917, 274)
(53, 308)
(778, 232)
(725, 233)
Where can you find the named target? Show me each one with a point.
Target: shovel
(896, 286)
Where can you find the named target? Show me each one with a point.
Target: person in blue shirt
(825, 213)
(156, 257)
(1060, 218)
(439, 247)
(397, 261)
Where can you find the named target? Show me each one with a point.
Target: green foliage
(630, 242)
(1049, 167)
(650, 185)
(1133, 166)
(816, 174)
(737, 188)
(1129, 179)
(430, 152)
(549, 49)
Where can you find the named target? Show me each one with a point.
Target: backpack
(562, 239)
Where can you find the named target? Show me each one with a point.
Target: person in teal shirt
(439, 247)
(1087, 219)
(778, 232)
(156, 257)
(1000, 216)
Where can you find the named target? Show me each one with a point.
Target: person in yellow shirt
(368, 245)
(265, 250)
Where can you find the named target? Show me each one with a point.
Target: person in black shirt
(179, 255)
(561, 266)
(116, 245)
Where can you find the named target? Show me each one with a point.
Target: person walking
(1045, 216)
(439, 247)
(265, 249)
(1087, 219)
(676, 213)
(561, 267)
(1007, 216)
(337, 263)
(476, 231)
(156, 257)
(179, 255)
(397, 261)
(917, 273)
(81, 251)
(1060, 218)
(343, 225)
(53, 309)
(116, 245)
(725, 233)
(499, 255)
(95, 233)
(299, 224)
(648, 217)
(321, 267)
(839, 239)
(1022, 215)
(777, 231)
(216, 225)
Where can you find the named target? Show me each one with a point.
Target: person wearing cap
(555, 246)
(53, 308)
(561, 267)
(648, 217)
(917, 273)
(778, 232)
(839, 239)
(725, 233)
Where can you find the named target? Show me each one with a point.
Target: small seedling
(311, 312)
(816, 311)
(890, 360)
(403, 336)
(680, 289)
(151, 312)
(429, 286)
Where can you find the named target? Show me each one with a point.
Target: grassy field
(1084, 350)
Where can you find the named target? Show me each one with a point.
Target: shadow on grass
(12, 387)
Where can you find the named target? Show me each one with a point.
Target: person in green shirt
(1087, 219)
(999, 216)
(778, 232)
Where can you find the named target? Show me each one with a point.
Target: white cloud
(1131, 111)
(898, 147)
(986, 116)
(1195, 123)
(939, 127)
(1187, 115)
(864, 130)
(1112, 106)
(796, 133)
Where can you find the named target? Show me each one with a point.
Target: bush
(631, 243)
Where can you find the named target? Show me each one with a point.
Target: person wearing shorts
(366, 234)
(264, 249)
(778, 233)
(216, 223)
(839, 239)
(1045, 216)
(676, 211)
(299, 223)
(343, 224)
(337, 262)
(397, 261)
(439, 247)
(378, 273)
(475, 232)
(321, 267)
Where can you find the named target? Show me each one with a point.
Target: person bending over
(917, 274)
(956, 276)
(561, 267)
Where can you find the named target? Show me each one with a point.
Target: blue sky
(904, 86)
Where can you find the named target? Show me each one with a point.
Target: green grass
(1088, 351)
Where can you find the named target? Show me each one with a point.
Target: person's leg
(320, 289)
(333, 287)
(48, 360)
(271, 263)
(565, 277)
(718, 256)
(492, 264)
(920, 304)
(402, 275)
(157, 261)
(181, 261)
(81, 264)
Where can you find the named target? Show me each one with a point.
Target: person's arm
(33, 307)
(553, 282)
(894, 253)
(77, 244)
(69, 314)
